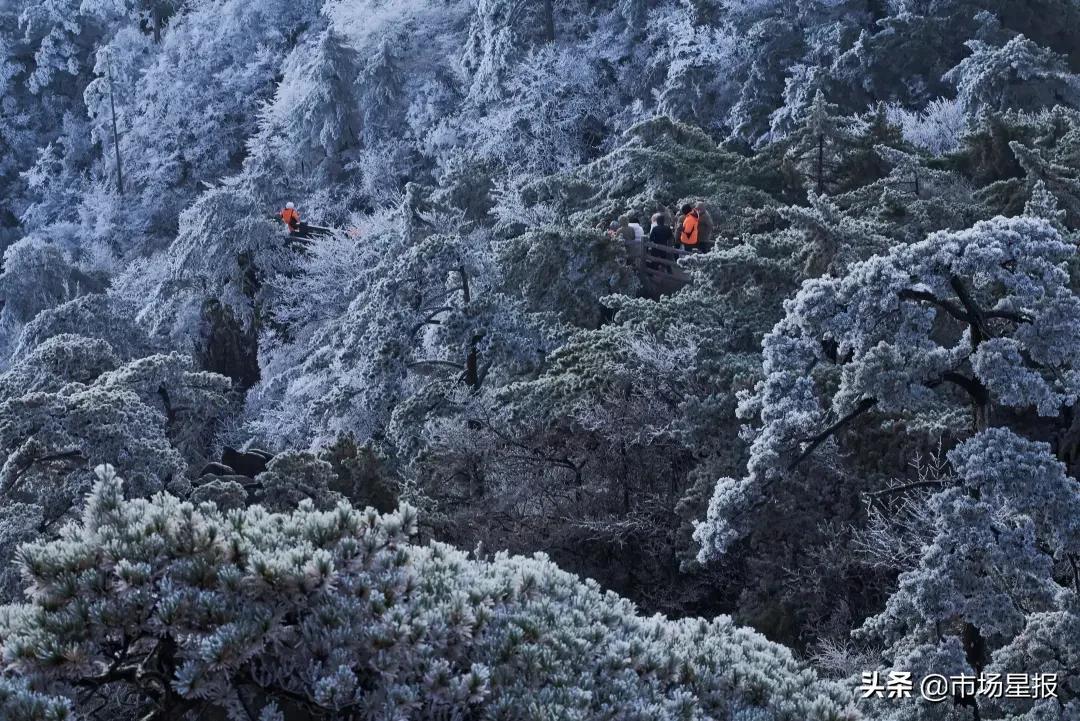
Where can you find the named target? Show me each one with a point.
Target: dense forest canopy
(447, 452)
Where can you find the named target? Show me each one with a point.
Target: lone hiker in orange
(291, 218)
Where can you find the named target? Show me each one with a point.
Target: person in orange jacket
(689, 233)
(291, 218)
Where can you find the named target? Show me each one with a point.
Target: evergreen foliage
(318, 614)
(850, 423)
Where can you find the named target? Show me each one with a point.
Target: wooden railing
(658, 266)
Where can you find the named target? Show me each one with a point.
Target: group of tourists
(691, 230)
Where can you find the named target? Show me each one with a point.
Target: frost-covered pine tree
(429, 312)
(1049, 178)
(1018, 74)
(204, 293)
(776, 45)
(43, 270)
(71, 404)
(959, 328)
(831, 241)
(819, 145)
(95, 315)
(953, 335)
(330, 613)
(306, 132)
(565, 272)
(997, 574)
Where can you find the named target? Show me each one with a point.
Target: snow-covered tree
(293, 477)
(997, 568)
(70, 404)
(43, 270)
(957, 328)
(693, 59)
(1018, 74)
(204, 292)
(565, 273)
(52, 437)
(553, 121)
(831, 240)
(56, 362)
(95, 315)
(658, 163)
(1047, 643)
(819, 145)
(314, 120)
(1050, 178)
(186, 398)
(775, 45)
(428, 311)
(325, 613)
(937, 129)
(63, 35)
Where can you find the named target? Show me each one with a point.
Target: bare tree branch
(863, 407)
(906, 487)
(949, 307)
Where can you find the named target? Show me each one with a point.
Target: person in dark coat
(661, 234)
(705, 227)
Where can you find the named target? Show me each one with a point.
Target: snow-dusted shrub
(333, 613)
(937, 129)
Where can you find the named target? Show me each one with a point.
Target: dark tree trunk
(115, 134)
(821, 165)
(229, 348)
(472, 366)
(549, 21)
